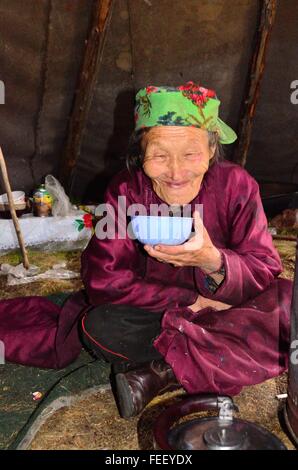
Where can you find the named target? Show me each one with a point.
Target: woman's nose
(175, 169)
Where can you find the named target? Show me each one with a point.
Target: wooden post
(267, 19)
(85, 88)
(13, 211)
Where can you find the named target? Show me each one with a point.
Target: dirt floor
(94, 423)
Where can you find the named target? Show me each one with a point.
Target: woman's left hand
(199, 251)
(203, 302)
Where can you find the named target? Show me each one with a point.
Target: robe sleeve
(251, 261)
(113, 272)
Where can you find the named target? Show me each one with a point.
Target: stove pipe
(291, 410)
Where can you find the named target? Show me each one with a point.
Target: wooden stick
(288, 238)
(267, 19)
(85, 88)
(13, 211)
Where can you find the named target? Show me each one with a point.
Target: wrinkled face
(176, 159)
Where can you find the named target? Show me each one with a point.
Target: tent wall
(41, 48)
(148, 42)
(273, 153)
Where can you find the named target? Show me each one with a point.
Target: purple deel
(209, 351)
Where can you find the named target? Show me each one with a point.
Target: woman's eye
(158, 157)
(192, 155)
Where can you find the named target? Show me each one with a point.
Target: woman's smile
(177, 176)
(176, 184)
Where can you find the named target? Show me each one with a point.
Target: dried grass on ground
(44, 261)
(94, 423)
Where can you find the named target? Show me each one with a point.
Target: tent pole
(267, 19)
(85, 88)
(13, 211)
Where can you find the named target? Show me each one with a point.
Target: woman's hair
(134, 158)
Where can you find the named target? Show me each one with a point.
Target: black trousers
(121, 333)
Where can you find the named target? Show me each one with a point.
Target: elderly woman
(209, 315)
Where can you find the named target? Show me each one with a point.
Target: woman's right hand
(203, 302)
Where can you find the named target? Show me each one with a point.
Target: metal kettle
(211, 433)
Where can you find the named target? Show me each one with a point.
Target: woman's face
(176, 159)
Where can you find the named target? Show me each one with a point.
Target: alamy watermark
(2, 353)
(294, 352)
(2, 92)
(113, 221)
(294, 94)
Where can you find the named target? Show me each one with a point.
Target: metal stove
(223, 432)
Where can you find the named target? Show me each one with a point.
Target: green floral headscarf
(186, 105)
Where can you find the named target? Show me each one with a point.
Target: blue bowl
(152, 230)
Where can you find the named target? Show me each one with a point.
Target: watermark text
(294, 94)
(2, 92)
(2, 353)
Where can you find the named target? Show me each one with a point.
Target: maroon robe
(214, 351)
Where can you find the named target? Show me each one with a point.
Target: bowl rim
(17, 205)
(21, 195)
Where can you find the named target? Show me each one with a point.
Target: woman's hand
(203, 302)
(199, 251)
